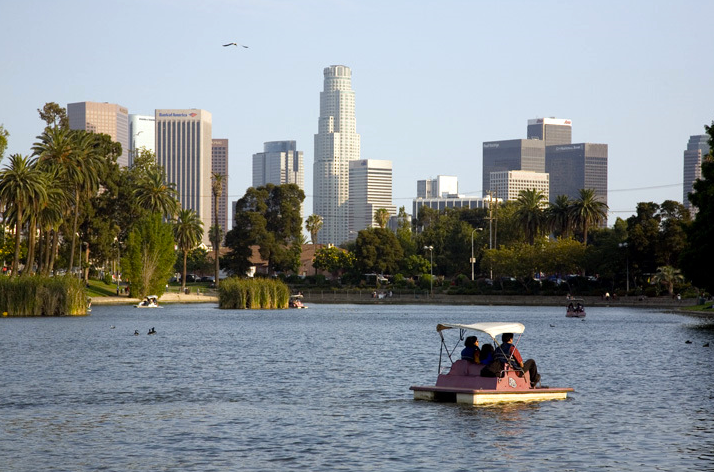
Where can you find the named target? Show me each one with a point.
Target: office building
(697, 148)
(441, 186)
(456, 203)
(336, 144)
(142, 134)
(183, 148)
(370, 189)
(550, 130)
(106, 118)
(279, 163)
(507, 184)
(577, 166)
(512, 154)
(219, 166)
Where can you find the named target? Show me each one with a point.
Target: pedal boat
(296, 302)
(151, 301)
(462, 382)
(575, 308)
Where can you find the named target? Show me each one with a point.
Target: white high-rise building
(370, 190)
(336, 144)
(697, 148)
(441, 186)
(279, 163)
(507, 184)
(142, 134)
(106, 118)
(183, 148)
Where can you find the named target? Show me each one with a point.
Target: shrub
(236, 293)
(42, 296)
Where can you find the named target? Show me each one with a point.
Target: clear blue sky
(433, 79)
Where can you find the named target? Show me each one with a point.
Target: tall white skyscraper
(106, 118)
(279, 163)
(183, 148)
(336, 144)
(142, 134)
(697, 148)
(370, 190)
(441, 186)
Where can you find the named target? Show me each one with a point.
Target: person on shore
(471, 352)
(509, 353)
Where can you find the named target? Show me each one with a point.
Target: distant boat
(296, 302)
(151, 301)
(575, 308)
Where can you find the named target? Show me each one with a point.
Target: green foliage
(149, 257)
(313, 225)
(3, 140)
(42, 296)
(237, 293)
(587, 210)
(415, 265)
(333, 260)
(377, 250)
(381, 217)
(530, 213)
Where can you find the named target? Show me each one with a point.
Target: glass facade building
(697, 148)
(106, 118)
(551, 130)
(219, 165)
(577, 166)
(512, 154)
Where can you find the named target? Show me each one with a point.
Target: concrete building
(697, 148)
(370, 190)
(550, 130)
(441, 204)
(219, 165)
(106, 118)
(441, 186)
(507, 184)
(142, 134)
(512, 154)
(577, 166)
(336, 144)
(183, 148)
(279, 163)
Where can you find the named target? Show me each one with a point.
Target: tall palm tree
(529, 212)
(49, 217)
(668, 275)
(313, 225)
(588, 210)
(188, 232)
(381, 217)
(21, 183)
(558, 218)
(155, 195)
(217, 182)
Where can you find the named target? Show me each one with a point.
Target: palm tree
(49, 217)
(529, 212)
(313, 225)
(217, 190)
(21, 184)
(155, 195)
(668, 275)
(381, 217)
(557, 216)
(188, 232)
(588, 210)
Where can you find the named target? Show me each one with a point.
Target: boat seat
(465, 368)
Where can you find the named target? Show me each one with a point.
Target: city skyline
(424, 103)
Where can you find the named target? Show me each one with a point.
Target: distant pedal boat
(151, 301)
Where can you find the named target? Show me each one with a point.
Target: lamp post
(627, 267)
(473, 259)
(431, 269)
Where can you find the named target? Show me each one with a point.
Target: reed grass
(42, 296)
(236, 293)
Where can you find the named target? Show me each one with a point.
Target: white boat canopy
(493, 329)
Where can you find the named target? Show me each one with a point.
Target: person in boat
(570, 307)
(507, 352)
(579, 308)
(471, 352)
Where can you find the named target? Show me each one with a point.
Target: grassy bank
(42, 296)
(252, 293)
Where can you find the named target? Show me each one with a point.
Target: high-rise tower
(106, 118)
(183, 148)
(697, 148)
(279, 163)
(336, 144)
(219, 165)
(551, 130)
(370, 190)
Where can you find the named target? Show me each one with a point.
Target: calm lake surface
(328, 389)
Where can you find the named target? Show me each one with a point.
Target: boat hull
(575, 314)
(466, 396)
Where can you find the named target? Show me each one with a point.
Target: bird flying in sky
(234, 44)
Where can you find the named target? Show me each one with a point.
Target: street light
(431, 269)
(627, 267)
(473, 259)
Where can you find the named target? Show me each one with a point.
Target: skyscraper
(106, 118)
(697, 148)
(279, 163)
(370, 190)
(441, 186)
(183, 148)
(336, 144)
(512, 154)
(142, 134)
(507, 184)
(219, 165)
(577, 166)
(551, 130)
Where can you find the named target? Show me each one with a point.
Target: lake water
(328, 389)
